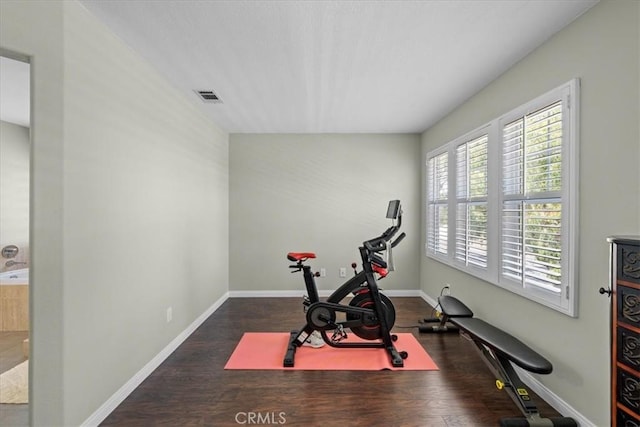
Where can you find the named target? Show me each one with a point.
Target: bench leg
(508, 379)
(442, 326)
(534, 421)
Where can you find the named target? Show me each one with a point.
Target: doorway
(15, 150)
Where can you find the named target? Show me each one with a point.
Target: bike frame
(364, 281)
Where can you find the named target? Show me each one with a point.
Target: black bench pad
(453, 307)
(504, 344)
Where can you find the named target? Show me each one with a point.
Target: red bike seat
(300, 256)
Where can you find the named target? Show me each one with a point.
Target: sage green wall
(602, 49)
(45, 47)
(324, 193)
(129, 207)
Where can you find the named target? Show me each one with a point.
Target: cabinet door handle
(605, 291)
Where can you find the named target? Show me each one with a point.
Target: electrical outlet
(323, 272)
(343, 272)
(169, 314)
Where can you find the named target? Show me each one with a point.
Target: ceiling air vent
(208, 96)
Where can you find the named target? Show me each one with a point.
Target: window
(471, 202)
(512, 200)
(532, 199)
(437, 209)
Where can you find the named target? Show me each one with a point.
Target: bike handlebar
(398, 240)
(379, 243)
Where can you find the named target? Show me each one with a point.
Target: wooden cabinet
(625, 331)
(14, 308)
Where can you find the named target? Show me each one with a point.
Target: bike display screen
(393, 209)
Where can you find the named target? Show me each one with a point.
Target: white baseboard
(540, 389)
(118, 397)
(401, 292)
(321, 292)
(553, 399)
(266, 294)
(431, 301)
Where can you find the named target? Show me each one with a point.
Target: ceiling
(333, 66)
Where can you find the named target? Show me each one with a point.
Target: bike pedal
(338, 335)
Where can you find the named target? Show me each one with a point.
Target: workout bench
(450, 308)
(499, 351)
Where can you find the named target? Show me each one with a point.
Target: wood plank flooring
(191, 388)
(11, 355)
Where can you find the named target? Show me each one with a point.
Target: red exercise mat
(266, 350)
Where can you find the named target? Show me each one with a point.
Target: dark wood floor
(192, 388)
(11, 355)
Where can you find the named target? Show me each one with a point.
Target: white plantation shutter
(502, 200)
(437, 204)
(512, 159)
(532, 199)
(512, 240)
(543, 245)
(471, 202)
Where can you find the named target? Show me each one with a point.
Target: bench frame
(499, 364)
(507, 379)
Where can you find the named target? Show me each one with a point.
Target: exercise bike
(370, 315)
